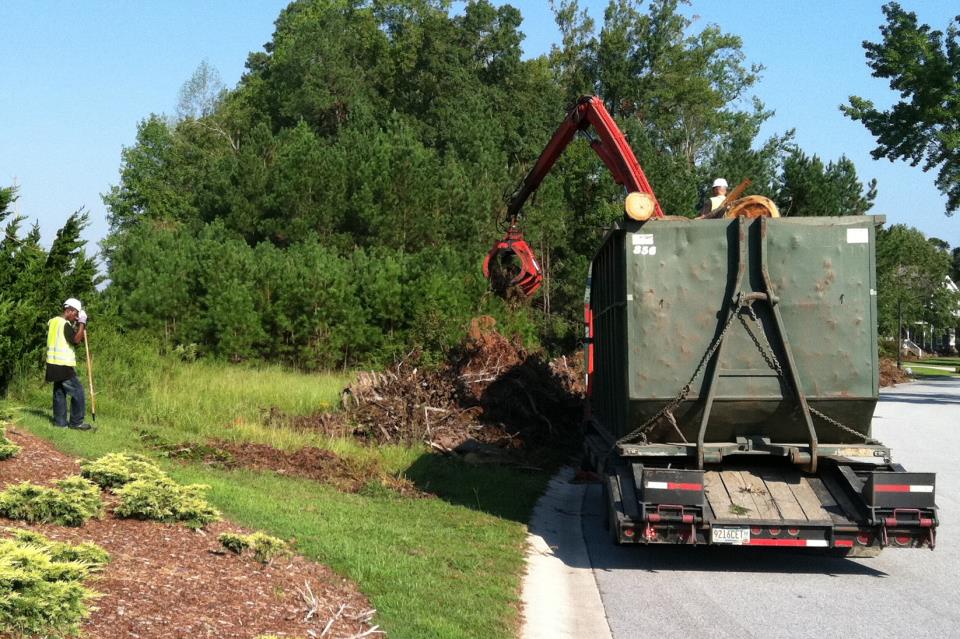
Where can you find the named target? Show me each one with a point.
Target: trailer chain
(768, 355)
(771, 359)
(642, 430)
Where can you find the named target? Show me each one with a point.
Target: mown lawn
(448, 566)
(924, 367)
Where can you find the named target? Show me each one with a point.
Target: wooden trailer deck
(774, 494)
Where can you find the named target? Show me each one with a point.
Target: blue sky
(78, 76)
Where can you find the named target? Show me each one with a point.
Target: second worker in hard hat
(712, 204)
(63, 332)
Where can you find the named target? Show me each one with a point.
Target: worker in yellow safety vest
(711, 205)
(62, 333)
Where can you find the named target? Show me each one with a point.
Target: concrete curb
(560, 595)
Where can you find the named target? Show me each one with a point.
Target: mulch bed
(166, 581)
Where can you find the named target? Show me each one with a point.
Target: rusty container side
(667, 305)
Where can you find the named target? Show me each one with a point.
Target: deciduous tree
(923, 66)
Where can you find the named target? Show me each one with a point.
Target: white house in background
(924, 330)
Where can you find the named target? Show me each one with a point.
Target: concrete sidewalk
(560, 596)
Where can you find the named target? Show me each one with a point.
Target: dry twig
(310, 599)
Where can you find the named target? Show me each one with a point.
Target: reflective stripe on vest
(59, 352)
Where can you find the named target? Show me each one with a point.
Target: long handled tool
(734, 194)
(93, 396)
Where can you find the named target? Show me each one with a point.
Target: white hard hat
(720, 182)
(73, 303)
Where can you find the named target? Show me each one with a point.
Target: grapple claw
(511, 264)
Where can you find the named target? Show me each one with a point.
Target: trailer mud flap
(669, 486)
(900, 490)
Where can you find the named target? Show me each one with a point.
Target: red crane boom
(612, 147)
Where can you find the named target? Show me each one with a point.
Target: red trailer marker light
(756, 530)
(774, 531)
(793, 531)
(629, 533)
(863, 539)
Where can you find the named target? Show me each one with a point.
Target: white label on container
(642, 238)
(873, 291)
(629, 297)
(858, 236)
(644, 250)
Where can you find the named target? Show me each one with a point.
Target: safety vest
(59, 351)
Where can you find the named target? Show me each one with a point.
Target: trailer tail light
(588, 346)
(774, 532)
(793, 531)
(629, 533)
(902, 540)
(863, 539)
(756, 530)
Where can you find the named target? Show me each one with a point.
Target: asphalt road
(769, 593)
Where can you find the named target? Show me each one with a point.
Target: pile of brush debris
(491, 398)
(890, 375)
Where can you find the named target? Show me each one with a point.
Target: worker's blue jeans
(78, 404)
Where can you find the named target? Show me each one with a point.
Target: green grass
(943, 361)
(442, 567)
(922, 368)
(919, 370)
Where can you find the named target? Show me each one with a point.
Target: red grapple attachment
(511, 264)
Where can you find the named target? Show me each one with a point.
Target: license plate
(735, 536)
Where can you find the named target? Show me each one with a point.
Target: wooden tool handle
(93, 395)
(735, 193)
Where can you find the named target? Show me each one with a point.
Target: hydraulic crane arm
(609, 143)
(511, 264)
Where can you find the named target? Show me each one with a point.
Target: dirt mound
(890, 374)
(345, 474)
(348, 475)
(492, 398)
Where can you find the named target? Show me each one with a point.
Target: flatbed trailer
(853, 505)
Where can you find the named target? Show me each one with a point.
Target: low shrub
(7, 448)
(162, 499)
(73, 502)
(41, 585)
(117, 469)
(87, 553)
(265, 548)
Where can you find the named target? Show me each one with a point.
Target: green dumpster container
(665, 293)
